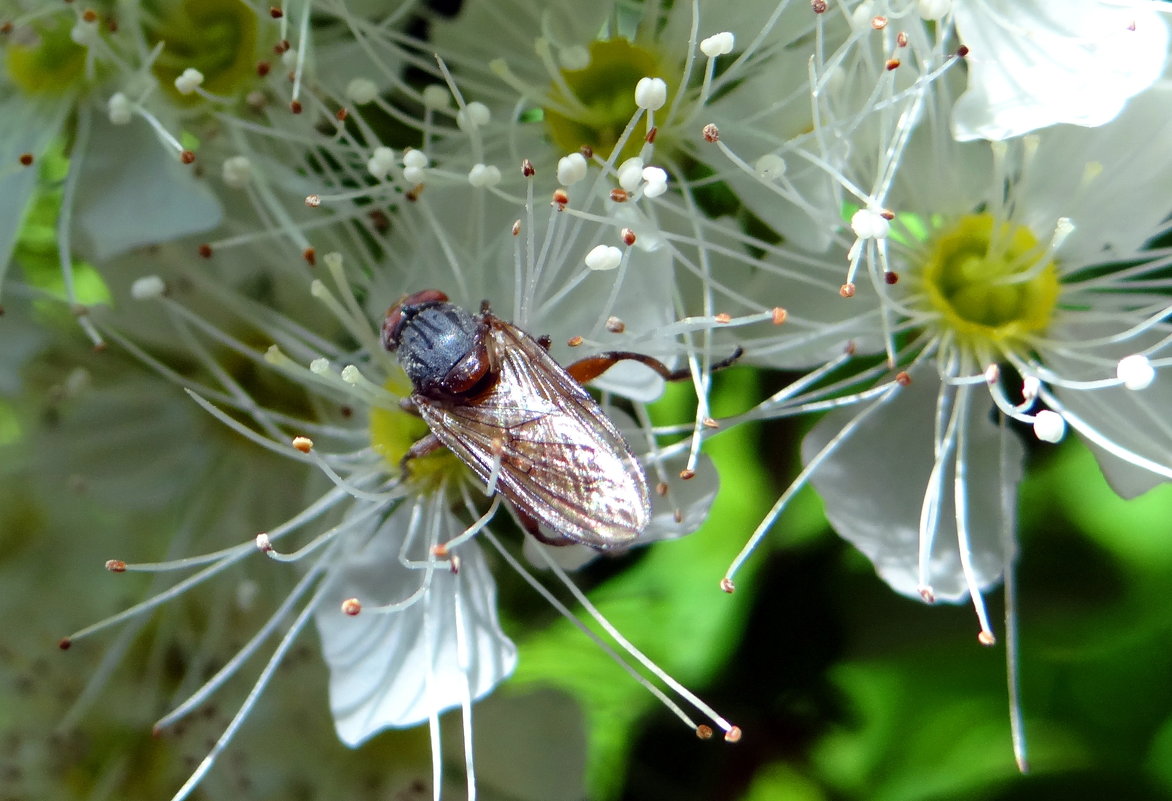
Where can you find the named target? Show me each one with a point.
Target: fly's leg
(530, 524)
(429, 443)
(591, 367)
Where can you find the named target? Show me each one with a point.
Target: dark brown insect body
(494, 396)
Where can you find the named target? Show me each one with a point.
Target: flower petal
(1034, 63)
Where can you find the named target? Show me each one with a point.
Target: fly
(492, 394)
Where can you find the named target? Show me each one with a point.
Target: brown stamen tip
(847, 290)
(574, 341)
(341, 114)
(263, 543)
(779, 315)
(303, 444)
(891, 277)
(850, 349)
(628, 236)
(879, 23)
(586, 151)
(527, 168)
(295, 106)
(64, 643)
(733, 735)
(892, 64)
(615, 325)
(677, 516)
(711, 133)
(89, 15)
(704, 731)
(205, 250)
(818, 6)
(560, 198)
(723, 317)
(454, 562)
(414, 192)
(263, 68)
(115, 565)
(651, 135)
(276, 13)
(281, 47)
(661, 489)
(709, 422)
(727, 585)
(186, 156)
(962, 51)
(619, 195)
(310, 256)
(687, 474)
(440, 551)
(26, 159)
(986, 638)
(887, 214)
(927, 594)
(901, 39)
(902, 378)
(313, 201)
(6, 27)
(351, 607)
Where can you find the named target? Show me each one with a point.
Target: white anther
(1030, 386)
(381, 162)
(574, 57)
(148, 287)
(361, 91)
(868, 224)
(484, 175)
(656, 179)
(770, 167)
(1136, 371)
(1049, 426)
(84, 32)
(237, 171)
(436, 95)
(604, 257)
(718, 44)
(188, 81)
(474, 115)
(571, 169)
(631, 174)
(118, 108)
(319, 366)
(933, 9)
(650, 93)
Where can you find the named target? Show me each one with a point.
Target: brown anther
(64, 643)
(651, 135)
(115, 565)
(379, 220)
(263, 543)
(263, 68)
(303, 444)
(341, 114)
(779, 315)
(574, 341)
(661, 489)
(112, 25)
(89, 15)
(723, 317)
(818, 6)
(687, 474)
(879, 23)
(516, 227)
(903, 379)
(892, 64)
(454, 564)
(615, 325)
(6, 27)
(276, 13)
(413, 193)
(310, 256)
(927, 594)
(346, 411)
(677, 516)
(847, 290)
(619, 195)
(710, 422)
(901, 39)
(887, 214)
(205, 250)
(281, 47)
(560, 198)
(733, 735)
(850, 349)
(962, 51)
(710, 133)
(26, 159)
(440, 551)
(986, 638)
(186, 156)
(586, 151)
(527, 168)
(351, 607)
(704, 731)
(313, 201)
(295, 106)
(628, 236)
(727, 585)
(891, 277)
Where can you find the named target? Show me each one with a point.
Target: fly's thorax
(443, 349)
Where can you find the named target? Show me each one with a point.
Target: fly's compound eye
(393, 324)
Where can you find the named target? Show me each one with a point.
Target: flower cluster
(336, 273)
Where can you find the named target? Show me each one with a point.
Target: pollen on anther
(527, 168)
(454, 561)
(115, 565)
(887, 214)
(310, 256)
(313, 201)
(295, 106)
(704, 731)
(615, 325)
(677, 516)
(263, 68)
(709, 422)
(516, 227)
(891, 277)
(650, 138)
(901, 39)
(186, 156)
(902, 378)
(711, 133)
(733, 735)
(687, 474)
(26, 159)
(276, 13)
(561, 198)
(628, 236)
(779, 315)
(303, 444)
(986, 638)
(351, 607)
(927, 593)
(661, 489)
(723, 317)
(263, 543)
(879, 23)
(280, 47)
(574, 341)
(440, 551)
(892, 64)
(818, 6)
(64, 643)
(727, 585)
(962, 51)
(205, 250)
(847, 290)
(619, 195)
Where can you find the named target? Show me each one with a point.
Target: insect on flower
(493, 395)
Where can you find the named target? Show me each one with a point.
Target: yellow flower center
(603, 99)
(216, 37)
(394, 431)
(49, 62)
(990, 282)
